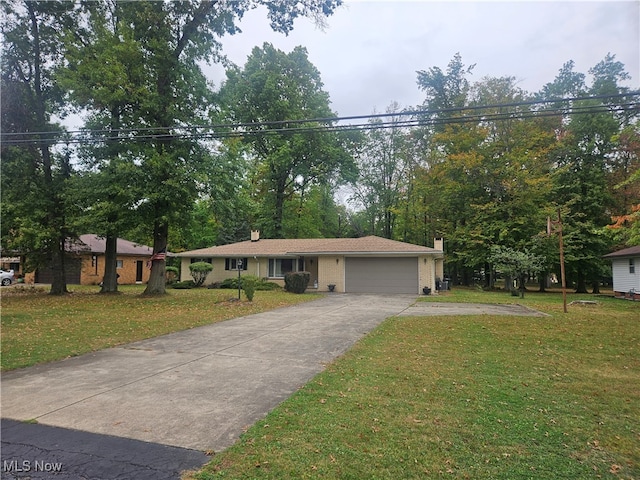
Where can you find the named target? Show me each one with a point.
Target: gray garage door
(381, 275)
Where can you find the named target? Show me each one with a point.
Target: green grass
(478, 397)
(37, 327)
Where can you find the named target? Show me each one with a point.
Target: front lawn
(37, 327)
(478, 397)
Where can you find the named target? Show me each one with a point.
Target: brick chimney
(438, 243)
(255, 235)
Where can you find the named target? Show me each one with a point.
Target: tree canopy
(481, 162)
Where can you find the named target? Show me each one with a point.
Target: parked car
(6, 277)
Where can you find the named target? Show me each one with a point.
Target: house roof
(91, 243)
(625, 252)
(370, 245)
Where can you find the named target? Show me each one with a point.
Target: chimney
(438, 243)
(255, 235)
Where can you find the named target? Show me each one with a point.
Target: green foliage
(172, 274)
(260, 284)
(275, 86)
(249, 287)
(184, 285)
(515, 264)
(35, 177)
(199, 272)
(296, 282)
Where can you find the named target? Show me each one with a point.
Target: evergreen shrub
(296, 282)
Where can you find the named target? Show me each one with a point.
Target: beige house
(355, 265)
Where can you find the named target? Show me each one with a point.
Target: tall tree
(582, 158)
(156, 49)
(276, 91)
(103, 76)
(385, 161)
(175, 36)
(34, 174)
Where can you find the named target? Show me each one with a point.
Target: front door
(139, 267)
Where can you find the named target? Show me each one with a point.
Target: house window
(232, 263)
(632, 266)
(119, 263)
(278, 267)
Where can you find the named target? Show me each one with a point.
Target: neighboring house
(626, 272)
(355, 265)
(11, 263)
(85, 262)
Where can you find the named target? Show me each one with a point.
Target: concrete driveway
(151, 409)
(183, 393)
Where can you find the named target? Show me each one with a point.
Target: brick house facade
(85, 262)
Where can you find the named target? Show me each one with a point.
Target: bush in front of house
(260, 284)
(296, 282)
(249, 287)
(199, 272)
(172, 274)
(183, 285)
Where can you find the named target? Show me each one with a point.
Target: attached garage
(381, 275)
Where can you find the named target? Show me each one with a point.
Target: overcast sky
(369, 51)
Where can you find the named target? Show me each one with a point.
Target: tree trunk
(542, 282)
(157, 279)
(58, 281)
(110, 278)
(581, 286)
(278, 213)
(596, 287)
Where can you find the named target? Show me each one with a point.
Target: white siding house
(626, 272)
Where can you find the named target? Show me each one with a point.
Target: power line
(404, 119)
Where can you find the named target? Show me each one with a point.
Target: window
(232, 263)
(279, 266)
(119, 264)
(632, 266)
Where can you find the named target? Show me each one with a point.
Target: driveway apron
(196, 389)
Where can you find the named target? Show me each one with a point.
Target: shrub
(267, 286)
(183, 285)
(296, 282)
(260, 284)
(172, 274)
(199, 272)
(249, 287)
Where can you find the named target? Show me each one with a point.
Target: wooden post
(564, 281)
(562, 275)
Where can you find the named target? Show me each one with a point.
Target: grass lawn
(478, 397)
(37, 327)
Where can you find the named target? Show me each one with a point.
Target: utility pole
(562, 275)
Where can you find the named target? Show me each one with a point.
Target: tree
(34, 174)
(385, 160)
(271, 93)
(172, 38)
(103, 77)
(199, 272)
(515, 264)
(583, 163)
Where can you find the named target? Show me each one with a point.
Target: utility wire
(404, 119)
